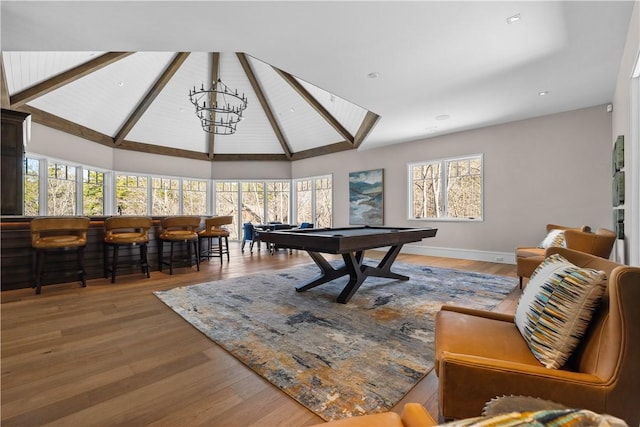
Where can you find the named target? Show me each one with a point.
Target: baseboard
(475, 255)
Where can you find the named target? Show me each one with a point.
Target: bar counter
(17, 258)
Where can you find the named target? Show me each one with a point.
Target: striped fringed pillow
(543, 418)
(555, 308)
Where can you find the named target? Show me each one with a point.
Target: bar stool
(213, 230)
(125, 231)
(177, 229)
(60, 234)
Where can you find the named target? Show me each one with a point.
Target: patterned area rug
(338, 360)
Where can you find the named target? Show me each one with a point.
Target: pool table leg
(327, 272)
(358, 272)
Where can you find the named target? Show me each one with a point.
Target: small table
(351, 243)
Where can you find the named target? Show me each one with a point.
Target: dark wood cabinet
(14, 130)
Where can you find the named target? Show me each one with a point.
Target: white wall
(624, 116)
(551, 169)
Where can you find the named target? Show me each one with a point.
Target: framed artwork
(618, 222)
(366, 197)
(618, 154)
(618, 188)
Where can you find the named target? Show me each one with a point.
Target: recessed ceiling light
(543, 93)
(292, 110)
(443, 117)
(121, 83)
(513, 18)
(431, 129)
(373, 75)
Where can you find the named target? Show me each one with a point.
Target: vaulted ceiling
(320, 76)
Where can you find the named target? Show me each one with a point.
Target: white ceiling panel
(254, 134)
(302, 126)
(103, 100)
(170, 121)
(26, 69)
(347, 113)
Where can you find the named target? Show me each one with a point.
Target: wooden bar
(18, 258)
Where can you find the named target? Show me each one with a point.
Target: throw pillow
(554, 238)
(543, 418)
(555, 308)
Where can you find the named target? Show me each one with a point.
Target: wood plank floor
(114, 355)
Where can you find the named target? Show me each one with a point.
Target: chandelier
(218, 108)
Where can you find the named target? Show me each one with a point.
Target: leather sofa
(413, 415)
(481, 354)
(581, 239)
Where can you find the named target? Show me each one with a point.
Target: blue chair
(250, 235)
(306, 225)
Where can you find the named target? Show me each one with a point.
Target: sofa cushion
(555, 308)
(555, 237)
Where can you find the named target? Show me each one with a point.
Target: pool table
(351, 243)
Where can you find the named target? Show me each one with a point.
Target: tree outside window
(131, 194)
(165, 196)
(31, 187)
(253, 202)
(61, 190)
(227, 196)
(447, 189)
(194, 197)
(92, 192)
(278, 203)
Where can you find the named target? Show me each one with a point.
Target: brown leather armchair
(413, 415)
(581, 239)
(481, 355)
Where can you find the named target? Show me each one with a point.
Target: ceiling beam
(56, 122)
(66, 77)
(148, 99)
(4, 98)
(321, 151)
(257, 88)
(304, 93)
(215, 75)
(367, 125)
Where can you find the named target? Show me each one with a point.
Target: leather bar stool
(59, 234)
(125, 231)
(179, 229)
(213, 229)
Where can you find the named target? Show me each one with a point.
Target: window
(314, 201)
(61, 189)
(131, 194)
(92, 192)
(253, 201)
(165, 196)
(194, 197)
(278, 206)
(446, 189)
(227, 193)
(31, 187)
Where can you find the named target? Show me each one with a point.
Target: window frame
(443, 178)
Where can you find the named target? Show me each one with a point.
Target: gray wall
(551, 169)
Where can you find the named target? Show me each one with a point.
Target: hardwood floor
(113, 354)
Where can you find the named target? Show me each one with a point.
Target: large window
(131, 195)
(446, 189)
(32, 187)
(227, 197)
(314, 201)
(194, 197)
(61, 189)
(278, 206)
(165, 196)
(253, 202)
(92, 192)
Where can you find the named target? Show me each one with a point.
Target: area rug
(338, 360)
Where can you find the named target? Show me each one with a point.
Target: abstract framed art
(366, 197)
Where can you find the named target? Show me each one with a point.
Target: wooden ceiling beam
(4, 96)
(321, 151)
(215, 75)
(304, 93)
(65, 78)
(367, 125)
(64, 125)
(257, 88)
(148, 99)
